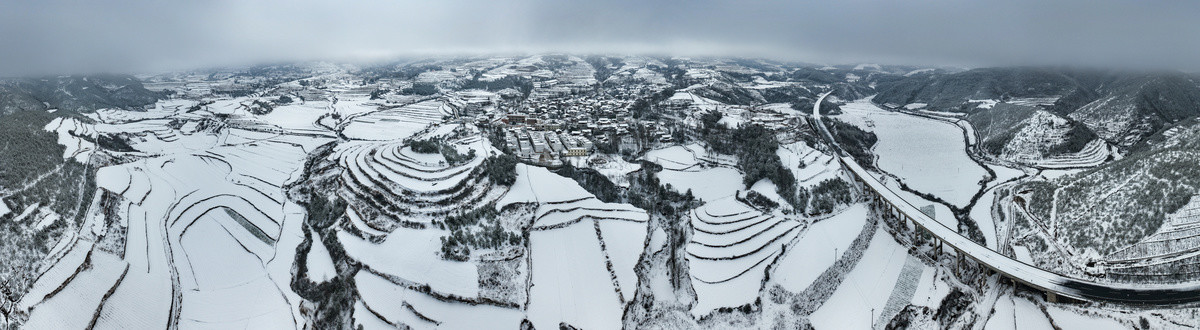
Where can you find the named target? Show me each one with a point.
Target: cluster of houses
(546, 147)
(545, 131)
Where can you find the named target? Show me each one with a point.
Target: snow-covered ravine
(928, 155)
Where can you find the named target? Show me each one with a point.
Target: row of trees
(641, 108)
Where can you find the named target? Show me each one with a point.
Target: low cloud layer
(57, 36)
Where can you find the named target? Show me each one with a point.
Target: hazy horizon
(135, 36)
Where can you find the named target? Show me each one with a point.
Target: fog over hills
(70, 36)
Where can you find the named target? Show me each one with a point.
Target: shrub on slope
(433, 146)
(475, 229)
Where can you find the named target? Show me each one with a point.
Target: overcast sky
(65, 36)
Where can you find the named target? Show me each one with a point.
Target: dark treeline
(754, 146)
(854, 140)
(524, 85)
(420, 89)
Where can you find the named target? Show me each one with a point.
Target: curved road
(1049, 282)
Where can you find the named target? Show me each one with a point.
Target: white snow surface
(319, 263)
(732, 245)
(707, 184)
(570, 282)
(390, 300)
(1018, 314)
(929, 155)
(866, 288)
(537, 184)
(1072, 320)
(818, 248)
(413, 254)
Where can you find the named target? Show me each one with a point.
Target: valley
(596, 192)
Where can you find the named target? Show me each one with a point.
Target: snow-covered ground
(688, 168)
(397, 123)
(1016, 313)
(929, 155)
(400, 305)
(206, 230)
(612, 167)
(298, 117)
(941, 213)
(230, 288)
(412, 254)
(582, 252)
(817, 166)
(206, 237)
(707, 184)
(818, 248)
(863, 294)
(731, 248)
(319, 263)
(1072, 319)
(982, 214)
(537, 184)
(570, 282)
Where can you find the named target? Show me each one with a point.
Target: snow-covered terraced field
(411, 189)
(709, 177)
(296, 200)
(538, 185)
(299, 118)
(582, 274)
(1093, 154)
(206, 243)
(70, 305)
(675, 158)
(412, 254)
(397, 123)
(817, 166)
(1017, 313)
(1168, 254)
(582, 251)
(731, 247)
(386, 305)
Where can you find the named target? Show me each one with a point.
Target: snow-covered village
(579, 189)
